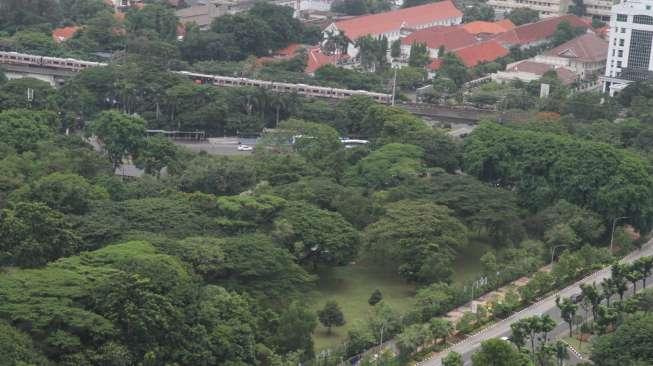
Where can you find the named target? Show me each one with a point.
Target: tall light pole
(614, 224)
(553, 250)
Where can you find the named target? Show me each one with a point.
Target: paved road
(546, 306)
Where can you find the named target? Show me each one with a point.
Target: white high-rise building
(631, 38)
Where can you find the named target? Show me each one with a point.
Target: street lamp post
(553, 250)
(614, 224)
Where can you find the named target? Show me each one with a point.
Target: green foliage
(524, 15)
(216, 175)
(388, 166)
(544, 167)
(453, 359)
(32, 234)
(630, 344)
(420, 237)
(478, 12)
(17, 348)
(121, 135)
(296, 325)
(23, 130)
(156, 154)
(331, 315)
(67, 193)
(375, 298)
(316, 236)
(419, 55)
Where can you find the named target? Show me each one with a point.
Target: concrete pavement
(545, 306)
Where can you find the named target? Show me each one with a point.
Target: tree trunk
(634, 288)
(570, 330)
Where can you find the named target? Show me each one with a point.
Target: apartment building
(546, 8)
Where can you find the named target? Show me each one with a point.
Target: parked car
(245, 148)
(576, 298)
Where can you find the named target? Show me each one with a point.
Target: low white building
(394, 24)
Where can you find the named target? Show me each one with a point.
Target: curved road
(546, 306)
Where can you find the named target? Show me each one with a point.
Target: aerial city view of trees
(305, 251)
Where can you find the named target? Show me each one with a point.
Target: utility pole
(614, 224)
(394, 87)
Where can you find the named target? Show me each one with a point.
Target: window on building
(623, 30)
(621, 53)
(618, 63)
(622, 17)
(613, 53)
(643, 19)
(640, 49)
(621, 42)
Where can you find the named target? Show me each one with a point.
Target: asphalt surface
(546, 306)
(218, 146)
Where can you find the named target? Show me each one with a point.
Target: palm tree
(633, 276)
(278, 102)
(618, 276)
(547, 324)
(609, 288)
(567, 310)
(561, 352)
(645, 265)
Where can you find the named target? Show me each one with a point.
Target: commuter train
(302, 89)
(69, 64)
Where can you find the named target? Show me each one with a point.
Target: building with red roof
(487, 51)
(528, 70)
(451, 38)
(63, 34)
(585, 55)
(482, 28)
(391, 24)
(535, 34)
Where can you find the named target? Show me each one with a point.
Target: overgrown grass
(352, 285)
(584, 348)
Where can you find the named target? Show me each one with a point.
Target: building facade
(546, 8)
(394, 24)
(599, 8)
(630, 43)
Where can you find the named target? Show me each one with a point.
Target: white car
(245, 148)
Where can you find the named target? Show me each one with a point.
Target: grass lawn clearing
(351, 286)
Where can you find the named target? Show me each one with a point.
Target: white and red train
(68, 64)
(302, 89)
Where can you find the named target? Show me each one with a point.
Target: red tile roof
(63, 34)
(587, 48)
(377, 24)
(538, 31)
(435, 64)
(481, 52)
(565, 75)
(450, 37)
(479, 27)
(317, 59)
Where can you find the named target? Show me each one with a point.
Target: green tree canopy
(420, 237)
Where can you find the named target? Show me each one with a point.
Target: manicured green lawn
(352, 285)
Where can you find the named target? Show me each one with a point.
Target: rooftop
(480, 27)
(414, 17)
(565, 75)
(587, 48)
(63, 34)
(538, 31)
(481, 52)
(450, 37)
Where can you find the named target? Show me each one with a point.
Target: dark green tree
(375, 298)
(331, 316)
